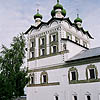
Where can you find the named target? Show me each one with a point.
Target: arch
(91, 67)
(53, 23)
(72, 70)
(56, 96)
(44, 78)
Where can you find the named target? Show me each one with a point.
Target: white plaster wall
(73, 49)
(45, 62)
(65, 90)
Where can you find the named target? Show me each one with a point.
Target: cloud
(17, 16)
(92, 23)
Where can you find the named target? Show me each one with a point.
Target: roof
(60, 19)
(78, 20)
(93, 52)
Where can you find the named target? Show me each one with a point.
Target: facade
(61, 64)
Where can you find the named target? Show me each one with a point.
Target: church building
(61, 64)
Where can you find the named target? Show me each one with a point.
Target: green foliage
(12, 77)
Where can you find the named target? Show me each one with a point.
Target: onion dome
(37, 15)
(58, 6)
(78, 20)
(53, 13)
(63, 12)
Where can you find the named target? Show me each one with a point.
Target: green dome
(58, 6)
(78, 20)
(37, 16)
(63, 12)
(53, 13)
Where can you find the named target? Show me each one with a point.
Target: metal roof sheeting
(86, 54)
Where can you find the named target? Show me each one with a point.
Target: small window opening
(73, 75)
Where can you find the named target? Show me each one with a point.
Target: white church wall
(45, 62)
(65, 90)
(73, 49)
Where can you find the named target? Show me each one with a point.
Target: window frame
(69, 36)
(32, 79)
(53, 40)
(70, 76)
(94, 76)
(42, 52)
(77, 40)
(32, 54)
(54, 51)
(84, 44)
(88, 72)
(41, 77)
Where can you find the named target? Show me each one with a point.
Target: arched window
(44, 78)
(91, 72)
(56, 96)
(88, 96)
(73, 74)
(74, 96)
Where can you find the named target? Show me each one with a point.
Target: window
(73, 75)
(54, 49)
(42, 40)
(77, 40)
(75, 97)
(69, 36)
(44, 79)
(32, 44)
(43, 52)
(64, 46)
(84, 44)
(54, 37)
(56, 97)
(88, 97)
(32, 80)
(92, 73)
(32, 54)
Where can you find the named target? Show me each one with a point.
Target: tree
(12, 77)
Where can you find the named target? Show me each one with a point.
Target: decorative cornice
(49, 55)
(59, 19)
(74, 42)
(84, 81)
(69, 64)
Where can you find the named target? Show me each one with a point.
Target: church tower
(49, 46)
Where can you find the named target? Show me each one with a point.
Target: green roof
(53, 13)
(63, 12)
(78, 20)
(58, 6)
(37, 16)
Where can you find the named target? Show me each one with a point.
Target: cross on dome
(57, 1)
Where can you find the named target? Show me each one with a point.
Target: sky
(16, 16)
